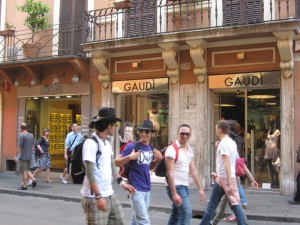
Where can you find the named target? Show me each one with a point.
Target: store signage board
(245, 80)
(136, 86)
(52, 89)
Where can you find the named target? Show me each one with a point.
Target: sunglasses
(185, 134)
(146, 131)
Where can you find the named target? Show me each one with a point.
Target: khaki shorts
(24, 165)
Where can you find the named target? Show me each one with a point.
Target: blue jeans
(242, 194)
(180, 215)
(215, 197)
(140, 202)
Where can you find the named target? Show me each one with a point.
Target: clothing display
(154, 117)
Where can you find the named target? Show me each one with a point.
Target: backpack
(77, 165)
(125, 169)
(160, 170)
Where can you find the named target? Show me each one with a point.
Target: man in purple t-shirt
(141, 160)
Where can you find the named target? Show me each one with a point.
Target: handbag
(240, 167)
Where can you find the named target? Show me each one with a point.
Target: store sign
(247, 80)
(134, 86)
(52, 89)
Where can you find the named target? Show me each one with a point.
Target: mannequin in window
(154, 116)
(272, 153)
(126, 131)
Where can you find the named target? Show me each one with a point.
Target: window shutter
(253, 11)
(71, 33)
(141, 18)
(232, 13)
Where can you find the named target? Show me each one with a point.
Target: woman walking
(43, 160)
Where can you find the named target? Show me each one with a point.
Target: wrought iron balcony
(62, 40)
(151, 17)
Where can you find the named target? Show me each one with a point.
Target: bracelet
(122, 183)
(119, 180)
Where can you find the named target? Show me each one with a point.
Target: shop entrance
(258, 113)
(134, 108)
(55, 113)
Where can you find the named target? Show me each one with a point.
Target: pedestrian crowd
(99, 203)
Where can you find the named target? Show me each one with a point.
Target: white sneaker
(29, 182)
(63, 179)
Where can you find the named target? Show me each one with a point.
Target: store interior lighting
(75, 78)
(17, 83)
(55, 80)
(33, 82)
(261, 96)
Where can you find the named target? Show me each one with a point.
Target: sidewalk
(266, 205)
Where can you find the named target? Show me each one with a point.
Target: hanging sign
(245, 80)
(135, 86)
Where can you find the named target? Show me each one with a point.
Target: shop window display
(138, 107)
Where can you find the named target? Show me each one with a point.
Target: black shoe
(34, 183)
(292, 202)
(22, 188)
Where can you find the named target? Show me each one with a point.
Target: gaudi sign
(147, 85)
(246, 80)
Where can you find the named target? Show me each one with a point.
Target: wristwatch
(97, 196)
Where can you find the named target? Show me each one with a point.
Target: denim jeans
(216, 195)
(242, 194)
(180, 215)
(140, 202)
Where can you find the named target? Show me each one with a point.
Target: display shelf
(59, 124)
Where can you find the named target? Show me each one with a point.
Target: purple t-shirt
(139, 175)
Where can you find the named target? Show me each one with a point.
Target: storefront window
(258, 115)
(56, 114)
(137, 107)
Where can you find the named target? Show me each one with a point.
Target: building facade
(173, 62)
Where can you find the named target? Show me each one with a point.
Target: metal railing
(61, 40)
(152, 17)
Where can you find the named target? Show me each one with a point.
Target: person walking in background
(43, 160)
(73, 138)
(24, 151)
(177, 178)
(296, 199)
(141, 160)
(99, 203)
(225, 181)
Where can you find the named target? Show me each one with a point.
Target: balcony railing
(152, 17)
(61, 40)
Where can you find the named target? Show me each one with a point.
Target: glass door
(135, 108)
(258, 115)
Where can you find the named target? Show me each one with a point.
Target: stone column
(100, 59)
(285, 44)
(202, 153)
(169, 54)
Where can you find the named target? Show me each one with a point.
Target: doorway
(134, 108)
(258, 113)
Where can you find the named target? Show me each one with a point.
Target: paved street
(263, 205)
(29, 210)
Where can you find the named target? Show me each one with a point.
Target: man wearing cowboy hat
(140, 160)
(98, 200)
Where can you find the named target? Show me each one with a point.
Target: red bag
(240, 167)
